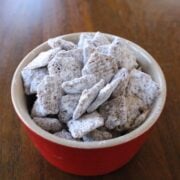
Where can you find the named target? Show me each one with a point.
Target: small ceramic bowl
(88, 158)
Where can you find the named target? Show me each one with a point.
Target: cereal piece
(48, 124)
(88, 49)
(90, 45)
(26, 77)
(77, 54)
(66, 68)
(114, 112)
(68, 104)
(87, 97)
(135, 106)
(123, 75)
(104, 95)
(140, 119)
(142, 85)
(38, 77)
(32, 78)
(101, 65)
(123, 55)
(61, 43)
(97, 135)
(85, 124)
(100, 39)
(104, 49)
(42, 59)
(77, 85)
(128, 59)
(83, 37)
(37, 110)
(64, 134)
(49, 93)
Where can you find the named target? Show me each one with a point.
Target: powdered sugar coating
(66, 68)
(87, 97)
(42, 59)
(67, 106)
(83, 37)
(85, 124)
(140, 119)
(135, 107)
(49, 93)
(114, 112)
(101, 65)
(48, 124)
(64, 134)
(123, 76)
(100, 39)
(32, 78)
(77, 54)
(37, 80)
(38, 110)
(103, 95)
(61, 43)
(142, 85)
(104, 49)
(123, 55)
(97, 135)
(77, 85)
(88, 49)
(91, 44)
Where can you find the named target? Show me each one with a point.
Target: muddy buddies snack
(77, 54)
(77, 85)
(100, 65)
(123, 55)
(87, 97)
(32, 78)
(91, 90)
(42, 59)
(49, 93)
(64, 134)
(114, 112)
(85, 124)
(67, 106)
(48, 124)
(97, 135)
(59, 42)
(142, 85)
(103, 95)
(66, 68)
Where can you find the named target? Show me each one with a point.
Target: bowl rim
(150, 121)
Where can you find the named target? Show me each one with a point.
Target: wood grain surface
(153, 24)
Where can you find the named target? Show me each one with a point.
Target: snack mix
(93, 90)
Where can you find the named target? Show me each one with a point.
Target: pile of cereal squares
(89, 91)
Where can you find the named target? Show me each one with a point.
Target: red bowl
(88, 158)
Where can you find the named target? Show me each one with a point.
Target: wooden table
(154, 25)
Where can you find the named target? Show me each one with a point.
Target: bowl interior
(148, 64)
